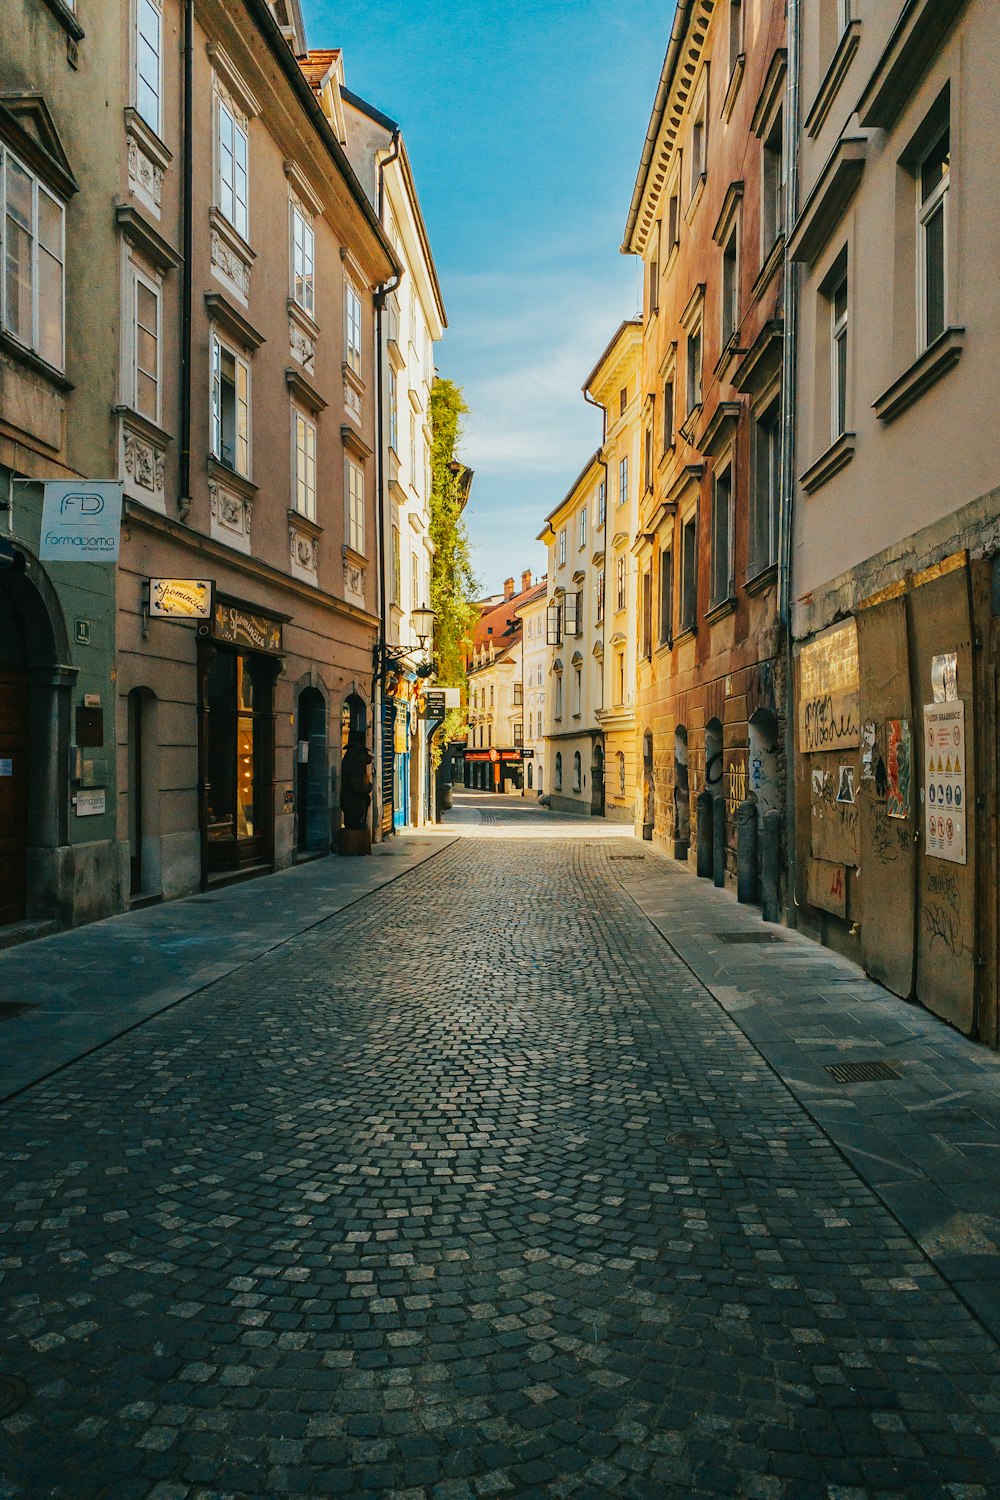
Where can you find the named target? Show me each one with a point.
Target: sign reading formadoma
(829, 686)
(944, 780)
(81, 521)
(181, 598)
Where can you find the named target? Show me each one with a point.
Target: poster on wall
(829, 715)
(944, 780)
(899, 760)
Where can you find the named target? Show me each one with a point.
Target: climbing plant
(453, 583)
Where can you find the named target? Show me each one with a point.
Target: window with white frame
(722, 535)
(538, 736)
(933, 178)
(149, 64)
(559, 696)
(31, 267)
(647, 456)
(838, 353)
(413, 449)
(843, 15)
(355, 507)
(620, 582)
(694, 366)
(414, 581)
(352, 327)
(145, 394)
(623, 479)
(234, 155)
(393, 411)
(303, 257)
(230, 408)
(602, 503)
(561, 554)
(582, 532)
(304, 457)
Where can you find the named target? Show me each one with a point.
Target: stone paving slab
(80, 988)
(474, 1190)
(928, 1143)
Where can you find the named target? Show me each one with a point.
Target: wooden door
(13, 794)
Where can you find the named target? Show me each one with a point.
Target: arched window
(558, 782)
(577, 770)
(621, 773)
(530, 778)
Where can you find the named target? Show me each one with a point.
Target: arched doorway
(311, 803)
(762, 769)
(682, 794)
(597, 781)
(648, 797)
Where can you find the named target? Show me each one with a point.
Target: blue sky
(524, 123)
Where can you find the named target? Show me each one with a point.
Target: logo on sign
(81, 521)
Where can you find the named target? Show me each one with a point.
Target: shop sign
(944, 780)
(433, 705)
(829, 684)
(494, 754)
(181, 598)
(81, 521)
(240, 628)
(90, 804)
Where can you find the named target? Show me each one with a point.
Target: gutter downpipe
(790, 299)
(187, 173)
(378, 683)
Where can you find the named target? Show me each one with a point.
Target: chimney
(508, 588)
(525, 580)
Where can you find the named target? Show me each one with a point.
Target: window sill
(67, 20)
(147, 138)
(141, 424)
(690, 422)
(833, 78)
(304, 319)
(222, 474)
(719, 611)
(767, 272)
(304, 523)
(304, 393)
(231, 320)
(689, 633)
(762, 581)
(836, 457)
(353, 378)
(664, 647)
(351, 555)
(695, 198)
(231, 235)
(34, 362)
(925, 371)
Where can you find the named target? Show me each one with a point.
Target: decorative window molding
(925, 371)
(829, 463)
(827, 202)
(303, 188)
(840, 63)
(228, 317)
(307, 395)
(143, 238)
(230, 81)
(915, 41)
(231, 256)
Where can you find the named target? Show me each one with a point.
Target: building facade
(493, 752)
(708, 218)
(534, 660)
(897, 523)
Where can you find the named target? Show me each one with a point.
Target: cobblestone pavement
(471, 1190)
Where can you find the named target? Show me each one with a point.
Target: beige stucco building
(897, 506)
(534, 663)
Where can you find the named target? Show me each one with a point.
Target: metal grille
(639, 857)
(747, 937)
(862, 1072)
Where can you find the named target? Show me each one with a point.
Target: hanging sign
(944, 780)
(241, 628)
(81, 521)
(432, 704)
(181, 598)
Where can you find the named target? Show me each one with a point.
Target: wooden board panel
(833, 824)
(939, 623)
(828, 691)
(828, 886)
(888, 851)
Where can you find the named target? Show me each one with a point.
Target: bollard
(746, 851)
(771, 867)
(704, 815)
(719, 839)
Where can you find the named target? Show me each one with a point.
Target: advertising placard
(81, 521)
(829, 716)
(181, 598)
(944, 780)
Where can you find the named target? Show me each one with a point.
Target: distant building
(534, 657)
(493, 753)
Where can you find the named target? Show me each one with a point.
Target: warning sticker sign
(944, 780)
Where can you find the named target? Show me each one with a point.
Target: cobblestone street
(470, 1189)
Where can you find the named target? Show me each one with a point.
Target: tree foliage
(453, 583)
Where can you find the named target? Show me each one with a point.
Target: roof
(536, 592)
(498, 622)
(591, 461)
(316, 64)
(682, 16)
(627, 323)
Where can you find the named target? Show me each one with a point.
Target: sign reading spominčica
(181, 598)
(81, 520)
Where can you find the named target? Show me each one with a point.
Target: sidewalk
(61, 996)
(927, 1142)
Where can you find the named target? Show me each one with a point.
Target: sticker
(90, 804)
(899, 750)
(944, 678)
(818, 783)
(6, 768)
(845, 785)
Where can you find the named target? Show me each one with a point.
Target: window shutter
(552, 633)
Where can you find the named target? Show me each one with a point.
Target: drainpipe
(788, 379)
(187, 174)
(381, 293)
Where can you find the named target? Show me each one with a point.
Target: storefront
(239, 661)
(494, 770)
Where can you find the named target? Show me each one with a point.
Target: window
(415, 583)
(233, 178)
(230, 408)
(666, 597)
(735, 34)
(600, 595)
(518, 734)
(148, 64)
(553, 625)
(654, 271)
(304, 449)
(722, 539)
(562, 547)
(413, 449)
(932, 216)
(539, 734)
(619, 677)
(838, 349)
(647, 615)
(577, 691)
(393, 411)
(518, 694)
(674, 216)
(32, 263)
(355, 507)
(623, 480)
(623, 400)
(352, 327)
(730, 288)
(397, 577)
(145, 394)
(602, 503)
(689, 573)
(694, 367)
(843, 15)
(558, 771)
(765, 489)
(573, 623)
(668, 413)
(303, 290)
(698, 142)
(773, 186)
(620, 583)
(582, 535)
(577, 770)
(647, 449)
(558, 702)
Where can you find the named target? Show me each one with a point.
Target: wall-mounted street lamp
(398, 658)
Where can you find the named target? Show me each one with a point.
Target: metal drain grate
(639, 857)
(695, 1139)
(747, 937)
(202, 900)
(13, 1393)
(862, 1072)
